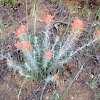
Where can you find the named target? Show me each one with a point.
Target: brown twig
(43, 91)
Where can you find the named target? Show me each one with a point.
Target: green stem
(21, 87)
(35, 8)
(26, 14)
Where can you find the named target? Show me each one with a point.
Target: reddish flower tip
(18, 44)
(48, 54)
(97, 35)
(23, 27)
(20, 71)
(78, 24)
(55, 77)
(61, 52)
(57, 37)
(9, 63)
(77, 39)
(26, 63)
(27, 45)
(19, 31)
(49, 19)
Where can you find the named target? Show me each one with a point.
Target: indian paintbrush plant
(41, 57)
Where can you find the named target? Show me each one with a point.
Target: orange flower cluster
(97, 34)
(9, 63)
(57, 38)
(55, 77)
(18, 44)
(61, 52)
(49, 20)
(25, 46)
(48, 54)
(21, 31)
(78, 24)
(77, 27)
(20, 71)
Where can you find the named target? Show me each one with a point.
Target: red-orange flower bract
(77, 28)
(55, 77)
(97, 35)
(21, 31)
(18, 44)
(78, 24)
(23, 27)
(57, 37)
(49, 20)
(48, 54)
(61, 52)
(20, 71)
(27, 45)
(9, 63)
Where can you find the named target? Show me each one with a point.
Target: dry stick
(37, 90)
(79, 65)
(43, 91)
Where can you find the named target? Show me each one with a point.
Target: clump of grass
(94, 85)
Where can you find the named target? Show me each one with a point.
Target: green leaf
(16, 92)
(13, 1)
